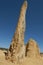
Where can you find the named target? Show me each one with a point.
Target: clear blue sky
(9, 14)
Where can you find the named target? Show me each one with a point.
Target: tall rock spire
(17, 48)
(19, 33)
(18, 38)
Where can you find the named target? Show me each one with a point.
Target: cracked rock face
(17, 48)
(32, 49)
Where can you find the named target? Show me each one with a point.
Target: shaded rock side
(32, 49)
(17, 49)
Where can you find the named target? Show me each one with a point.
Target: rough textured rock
(32, 49)
(17, 48)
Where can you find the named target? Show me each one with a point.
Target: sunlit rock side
(16, 50)
(32, 49)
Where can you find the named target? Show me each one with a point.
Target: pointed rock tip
(25, 3)
(32, 40)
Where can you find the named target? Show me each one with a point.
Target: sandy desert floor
(26, 61)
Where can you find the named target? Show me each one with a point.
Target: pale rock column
(17, 47)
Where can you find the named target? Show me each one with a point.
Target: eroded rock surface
(16, 50)
(19, 52)
(32, 49)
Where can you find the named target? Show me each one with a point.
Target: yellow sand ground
(27, 60)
